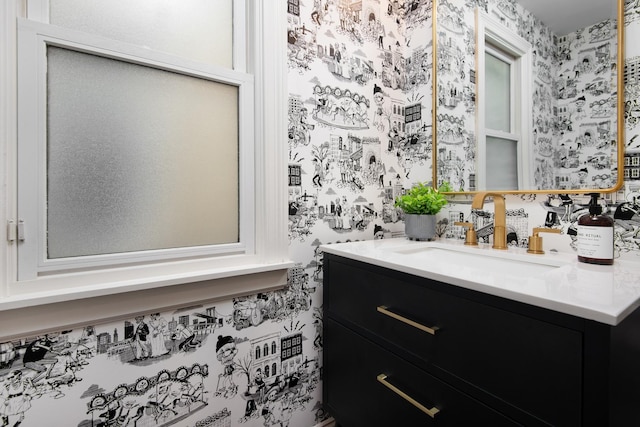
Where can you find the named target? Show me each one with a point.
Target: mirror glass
(527, 95)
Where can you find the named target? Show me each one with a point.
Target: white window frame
(33, 38)
(490, 32)
(258, 263)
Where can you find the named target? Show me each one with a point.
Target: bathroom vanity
(423, 333)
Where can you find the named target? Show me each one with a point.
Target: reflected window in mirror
(501, 136)
(504, 63)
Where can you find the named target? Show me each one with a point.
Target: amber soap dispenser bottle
(595, 235)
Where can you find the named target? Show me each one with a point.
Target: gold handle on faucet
(470, 235)
(385, 310)
(382, 378)
(535, 241)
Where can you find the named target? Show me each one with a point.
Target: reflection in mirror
(560, 92)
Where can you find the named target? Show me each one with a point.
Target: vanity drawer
(531, 364)
(356, 394)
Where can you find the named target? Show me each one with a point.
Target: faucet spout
(499, 217)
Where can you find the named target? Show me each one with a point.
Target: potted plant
(420, 205)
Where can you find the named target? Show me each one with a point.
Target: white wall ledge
(42, 312)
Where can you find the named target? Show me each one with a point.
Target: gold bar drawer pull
(382, 378)
(385, 310)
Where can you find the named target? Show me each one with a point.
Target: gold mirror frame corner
(619, 112)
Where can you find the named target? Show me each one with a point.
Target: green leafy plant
(423, 199)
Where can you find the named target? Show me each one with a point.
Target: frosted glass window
(498, 93)
(200, 30)
(131, 167)
(502, 162)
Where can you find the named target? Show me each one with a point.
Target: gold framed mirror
(525, 105)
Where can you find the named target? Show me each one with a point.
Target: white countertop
(555, 281)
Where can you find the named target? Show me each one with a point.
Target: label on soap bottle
(595, 242)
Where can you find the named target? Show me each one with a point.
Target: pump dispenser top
(594, 206)
(595, 235)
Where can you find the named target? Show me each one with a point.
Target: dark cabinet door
(366, 385)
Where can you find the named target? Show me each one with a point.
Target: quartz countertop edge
(606, 294)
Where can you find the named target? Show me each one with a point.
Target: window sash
(502, 160)
(508, 123)
(33, 37)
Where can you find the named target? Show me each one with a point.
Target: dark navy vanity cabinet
(402, 350)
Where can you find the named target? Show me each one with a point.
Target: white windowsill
(39, 312)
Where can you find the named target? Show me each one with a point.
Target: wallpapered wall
(356, 70)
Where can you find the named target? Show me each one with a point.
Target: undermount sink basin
(483, 258)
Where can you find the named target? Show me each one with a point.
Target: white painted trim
(481, 162)
(78, 310)
(38, 10)
(488, 28)
(270, 71)
(9, 9)
(240, 25)
(115, 49)
(136, 277)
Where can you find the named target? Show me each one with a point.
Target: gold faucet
(499, 217)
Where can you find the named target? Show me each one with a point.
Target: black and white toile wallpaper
(359, 132)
